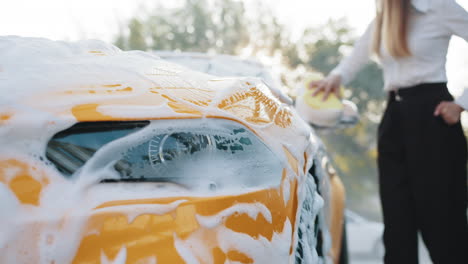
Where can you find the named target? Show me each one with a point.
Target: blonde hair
(391, 28)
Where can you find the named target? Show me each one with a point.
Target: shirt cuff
(462, 100)
(344, 77)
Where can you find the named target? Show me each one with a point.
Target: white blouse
(432, 24)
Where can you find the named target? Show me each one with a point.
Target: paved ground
(423, 258)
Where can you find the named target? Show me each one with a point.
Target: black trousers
(423, 179)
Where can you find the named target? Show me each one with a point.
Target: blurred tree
(324, 47)
(136, 40)
(353, 150)
(220, 26)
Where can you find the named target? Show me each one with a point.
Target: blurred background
(294, 37)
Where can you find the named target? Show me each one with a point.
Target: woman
(422, 149)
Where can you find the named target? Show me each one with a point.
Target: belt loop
(397, 96)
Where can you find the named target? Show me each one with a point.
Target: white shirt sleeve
(455, 18)
(359, 57)
(462, 100)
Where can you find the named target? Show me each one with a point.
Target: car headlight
(206, 153)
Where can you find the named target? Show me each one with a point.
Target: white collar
(421, 5)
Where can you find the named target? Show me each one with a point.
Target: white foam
(252, 210)
(185, 251)
(33, 70)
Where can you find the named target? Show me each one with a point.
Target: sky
(100, 19)
(73, 20)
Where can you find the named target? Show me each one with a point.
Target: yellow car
(122, 157)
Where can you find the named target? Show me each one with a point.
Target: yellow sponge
(316, 111)
(316, 102)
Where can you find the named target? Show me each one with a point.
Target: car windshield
(70, 149)
(185, 152)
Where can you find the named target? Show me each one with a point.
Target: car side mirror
(332, 113)
(325, 116)
(349, 116)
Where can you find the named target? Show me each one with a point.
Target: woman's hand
(449, 111)
(329, 85)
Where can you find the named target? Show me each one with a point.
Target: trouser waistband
(419, 91)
